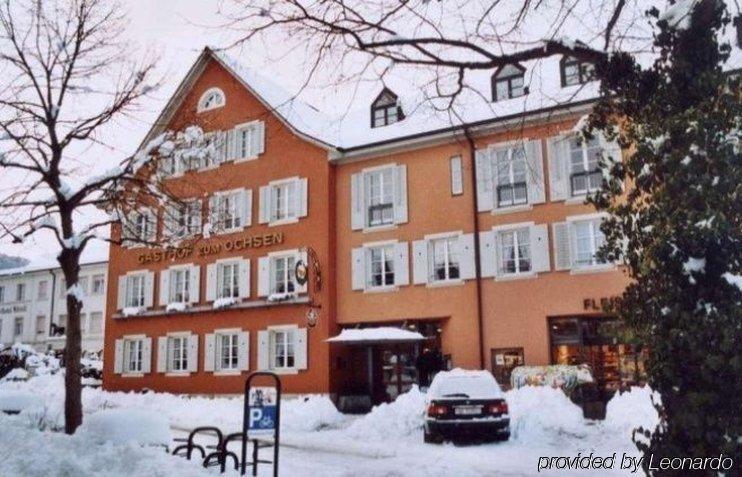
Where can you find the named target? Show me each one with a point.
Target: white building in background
(33, 306)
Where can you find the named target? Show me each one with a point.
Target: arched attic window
(386, 109)
(508, 82)
(211, 99)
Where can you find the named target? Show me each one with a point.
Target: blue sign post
(262, 417)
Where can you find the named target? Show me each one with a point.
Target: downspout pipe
(477, 258)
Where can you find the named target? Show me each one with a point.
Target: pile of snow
(16, 374)
(400, 418)
(38, 454)
(17, 401)
(632, 409)
(310, 413)
(123, 426)
(536, 411)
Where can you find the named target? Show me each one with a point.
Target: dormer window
(508, 82)
(211, 99)
(386, 109)
(576, 71)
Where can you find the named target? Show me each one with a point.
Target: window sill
(284, 370)
(511, 209)
(276, 223)
(444, 283)
(576, 200)
(177, 374)
(515, 276)
(245, 159)
(379, 228)
(381, 289)
(210, 309)
(132, 375)
(610, 267)
(228, 373)
(228, 231)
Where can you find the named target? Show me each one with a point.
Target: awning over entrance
(383, 334)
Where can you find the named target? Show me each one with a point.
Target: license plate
(468, 410)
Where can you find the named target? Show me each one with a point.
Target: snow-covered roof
(344, 125)
(385, 334)
(90, 256)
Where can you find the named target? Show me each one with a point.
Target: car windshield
(466, 387)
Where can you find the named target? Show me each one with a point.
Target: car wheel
(431, 438)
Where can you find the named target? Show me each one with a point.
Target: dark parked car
(466, 404)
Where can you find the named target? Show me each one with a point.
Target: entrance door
(398, 366)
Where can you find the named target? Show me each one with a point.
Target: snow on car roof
(476, 384)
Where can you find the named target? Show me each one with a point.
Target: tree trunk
(69, 260)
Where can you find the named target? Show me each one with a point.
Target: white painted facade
(33, 306)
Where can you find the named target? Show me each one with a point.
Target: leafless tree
(66, 75)
(442, 42)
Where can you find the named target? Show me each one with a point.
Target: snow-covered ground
(316, 438)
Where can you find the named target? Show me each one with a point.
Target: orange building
(466, 246)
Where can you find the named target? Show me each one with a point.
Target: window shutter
(265, 205)
(258, 138)
(243, 282)
(612, 152)
(301, 348)
(211, 281)
(357, 212)
(194, 284)
(121, 301)
(558, 150)
(264, 278)
(263, 350)
(149, 289)
(358, 266)
(152, 230)
(302, 194)
(401, 264)
(193, 353)
(457, 180)
(146, 355)
(246, 204)
(221, 153)
(118, 357)
(209, 352)
(535, 172)
(485, 192)
(165, 287)
(539, 236)
(562, 255)
(162, 354)
(196, 219)
(230, 139)
(303, 257)
(487, 254)
(400, 194)
(466, 257)
(213, 211)
(420, 262)
(243, 350)
(169, 221)
(498, 253)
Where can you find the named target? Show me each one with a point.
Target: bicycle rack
(190, 445)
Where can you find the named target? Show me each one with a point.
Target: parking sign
(262, 418)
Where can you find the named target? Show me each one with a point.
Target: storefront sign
(6, 310)
(600, 304)
(207, 249)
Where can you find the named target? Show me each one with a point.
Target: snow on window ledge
(221, 303)
(174, 307)
(276, 297)
(132, 311)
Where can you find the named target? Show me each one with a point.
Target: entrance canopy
(383, 334)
